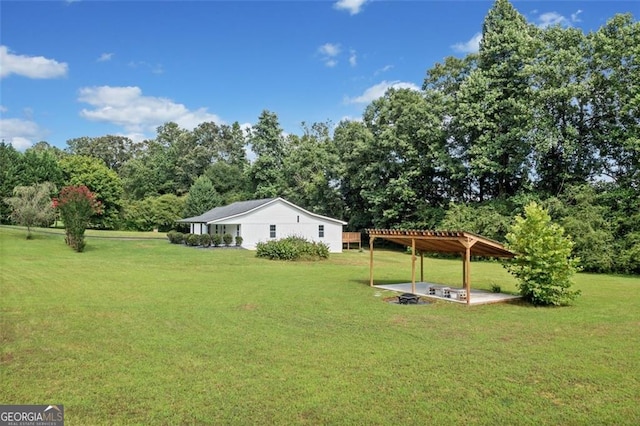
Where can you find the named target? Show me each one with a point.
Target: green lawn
(145, 332)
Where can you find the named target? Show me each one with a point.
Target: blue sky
(90, 68)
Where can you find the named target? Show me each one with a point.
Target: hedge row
(204, 240)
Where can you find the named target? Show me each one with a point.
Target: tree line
(538, 114)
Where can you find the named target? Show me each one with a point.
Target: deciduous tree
(103, 182)
(31, 205)
(543, 264)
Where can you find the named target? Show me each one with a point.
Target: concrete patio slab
(477, 297)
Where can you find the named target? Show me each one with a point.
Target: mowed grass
(145, 332)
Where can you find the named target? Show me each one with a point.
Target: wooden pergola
(452, 242)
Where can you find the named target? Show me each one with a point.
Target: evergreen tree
(267, 142)
(202, 197)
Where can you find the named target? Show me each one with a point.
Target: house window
(321, 231)
(237, 230)
(298, 219)
(272, 231)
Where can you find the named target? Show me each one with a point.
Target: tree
(615, 106)
(40, 165)
(408, 170)
(583, 216)
(352, 140)
(230, 181)
(201, 198)
(77, 205)
(10, 160)
(564, 153)
(494, 105)
(267, 142)
(113, 150)
(484, 219)
(103, 182)
(311, 171)
(31, 205)
(159, 213)
(543, 264)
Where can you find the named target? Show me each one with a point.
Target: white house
(268, 219)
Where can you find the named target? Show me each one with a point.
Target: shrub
(175, 237)
(228, 239)
(76, 205)
(192, 240)
(239, 241)
(205, 240)
(292, 248)
(543, 264)
(216, 239)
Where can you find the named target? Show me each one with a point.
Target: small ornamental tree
(31, 206)
(76, 205)
(543, 264)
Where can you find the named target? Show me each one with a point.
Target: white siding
(254, 226)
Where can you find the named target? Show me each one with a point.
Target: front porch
(477, 297)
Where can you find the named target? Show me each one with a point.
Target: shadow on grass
(379, 281)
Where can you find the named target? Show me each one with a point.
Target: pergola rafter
(466, 244)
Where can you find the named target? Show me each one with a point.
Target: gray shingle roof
(232, 209)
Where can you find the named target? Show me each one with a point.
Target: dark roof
(443, 241)
(233, 209)
(238, 208)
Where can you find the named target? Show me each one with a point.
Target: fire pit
(408, 299)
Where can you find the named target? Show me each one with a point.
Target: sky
(78, 68)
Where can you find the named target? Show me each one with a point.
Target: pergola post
(413, 265)
(371, 261)
(467, 243)
(467, 274)
(421, 267)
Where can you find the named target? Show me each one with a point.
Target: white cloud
(575, 17)
(20, 133)
(329, 49)
(470, 46)
(136, 113)
(329, 52)
(548, 19)
(30, 66)
(353, 6)
(376, 91)
(383, 69)
(155, 69)
(353, 58)
(105, 57)
(551, 18)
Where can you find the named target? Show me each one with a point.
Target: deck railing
(352, 237)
